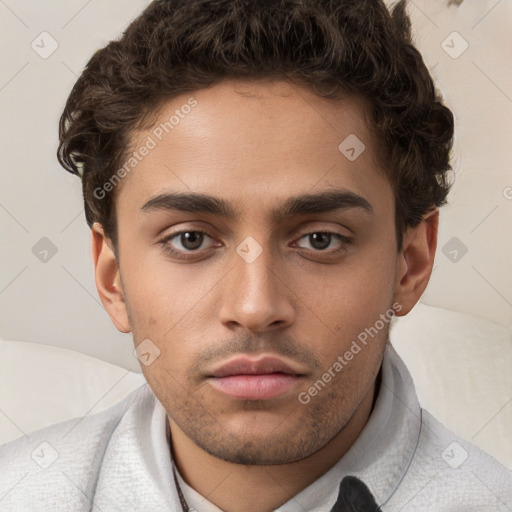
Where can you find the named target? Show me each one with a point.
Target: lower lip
(255, 387)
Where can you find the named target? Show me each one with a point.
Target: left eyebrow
(322, 202)
(304, 204)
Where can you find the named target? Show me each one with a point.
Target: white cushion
(461, 366)
(41, 385)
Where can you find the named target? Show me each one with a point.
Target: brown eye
(187, 241)
(191, 240)
(319, 241)
(189, 245)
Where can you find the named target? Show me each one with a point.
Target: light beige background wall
(50, 297)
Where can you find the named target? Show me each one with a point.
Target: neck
(233, 487)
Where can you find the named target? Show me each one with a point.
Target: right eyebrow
(190, 202)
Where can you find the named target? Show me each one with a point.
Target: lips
(248, 366)
(255, 379)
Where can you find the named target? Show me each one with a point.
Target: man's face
(280, 288)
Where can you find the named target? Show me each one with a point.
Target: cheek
(347, 302)
(161, 294)
(163, 305)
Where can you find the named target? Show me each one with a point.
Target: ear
(108, 279)
(415, 261)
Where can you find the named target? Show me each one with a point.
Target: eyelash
(346, 242)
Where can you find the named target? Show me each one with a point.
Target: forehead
(254, 143)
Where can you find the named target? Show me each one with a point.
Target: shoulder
(450, 473)
(60, 463)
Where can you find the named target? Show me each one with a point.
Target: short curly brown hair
(179, 46)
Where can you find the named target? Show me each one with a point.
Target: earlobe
(415, 261)
(108, 279)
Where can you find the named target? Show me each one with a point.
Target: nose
(256, 296)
